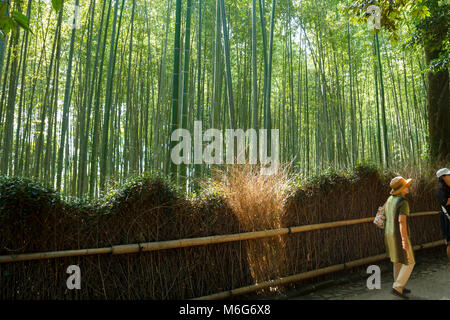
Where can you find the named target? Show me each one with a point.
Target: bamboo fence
(190, 242)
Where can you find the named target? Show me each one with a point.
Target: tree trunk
(438, 106)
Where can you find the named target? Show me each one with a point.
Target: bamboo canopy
(190, 242)
(309, 274)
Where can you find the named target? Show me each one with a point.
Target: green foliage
(213, 191)
(137, 190)
(57, 4)
(324, 181)
(334, 180)
(9, 20)
(30, 197)
(26, 196)
(366, 169)
(21, 19)
(420, 12)
(429, 17)
(84, 205)
(210, 200)
(392, 13)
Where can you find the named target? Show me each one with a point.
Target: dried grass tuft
(258, 202)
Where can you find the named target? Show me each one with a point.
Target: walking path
(430, 280)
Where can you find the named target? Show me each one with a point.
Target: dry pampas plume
(258, 201)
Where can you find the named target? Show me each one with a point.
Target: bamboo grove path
(430, 280)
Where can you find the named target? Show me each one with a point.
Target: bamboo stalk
(424, 213)
(309, 274)
(53, 254)
(190, 242)
(326, 225)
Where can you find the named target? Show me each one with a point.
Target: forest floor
(430, 280)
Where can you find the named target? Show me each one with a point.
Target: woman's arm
(403, 231)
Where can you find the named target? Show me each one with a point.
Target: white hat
(442, 172)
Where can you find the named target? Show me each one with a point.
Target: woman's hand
(405, 245)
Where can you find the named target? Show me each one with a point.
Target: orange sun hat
(398, 184)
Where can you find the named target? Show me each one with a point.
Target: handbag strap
(445, 212)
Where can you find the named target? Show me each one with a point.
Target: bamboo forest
(92, 90)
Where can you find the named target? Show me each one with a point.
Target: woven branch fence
(152, 214)
(183, 243)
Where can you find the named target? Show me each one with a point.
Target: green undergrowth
(26, 196)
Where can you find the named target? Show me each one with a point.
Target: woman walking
(443, 194)
(396, 235)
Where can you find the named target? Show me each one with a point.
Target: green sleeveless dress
(395, 206)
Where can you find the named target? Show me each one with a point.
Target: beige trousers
(402, 272)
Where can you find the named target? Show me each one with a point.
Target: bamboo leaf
(57, 4)
(6, 25)
(22, 20)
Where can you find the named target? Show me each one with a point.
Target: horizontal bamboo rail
(308, 275)
(182, 243)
